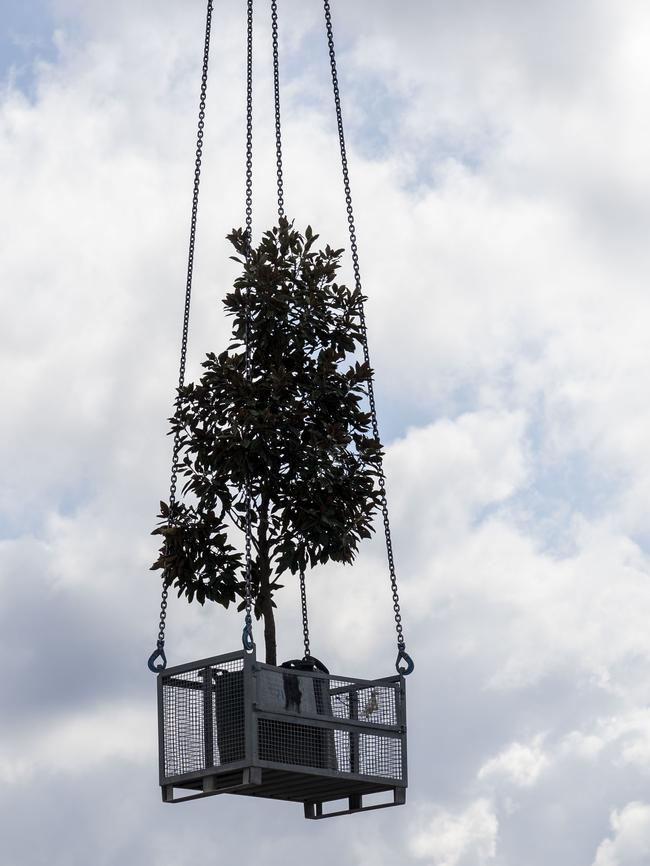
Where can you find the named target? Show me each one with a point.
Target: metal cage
(230, 724)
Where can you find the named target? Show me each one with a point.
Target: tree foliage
(297, 428)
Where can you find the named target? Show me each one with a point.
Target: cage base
(314, 810)
(207, 786)
(311, 790)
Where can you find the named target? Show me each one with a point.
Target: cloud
(81, 743)
(630, 845)
(520, 764)
(625, 737)
(478, 459)
(467, 838)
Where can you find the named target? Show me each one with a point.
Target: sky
(499, 164)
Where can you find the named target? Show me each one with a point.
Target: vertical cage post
(354, 737)
(250, 727)
(208, 726)
(401, 693)
(161, 732)
(354, 800)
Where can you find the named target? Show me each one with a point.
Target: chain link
(160, 653)
(247, 634)
(249, 124)
(276, 96)
(305, 620)
(401, 643)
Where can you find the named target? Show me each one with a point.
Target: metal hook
(158, 653)
(407, 668)
(247, 638)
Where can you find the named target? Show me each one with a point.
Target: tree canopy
(296, 429)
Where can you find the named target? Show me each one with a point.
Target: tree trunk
(269, 633)
(264, 565)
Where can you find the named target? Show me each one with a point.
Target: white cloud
(630, 845)
(520, 764)
(80, 743)
(625, 738)
(466, 838)
(477, 459)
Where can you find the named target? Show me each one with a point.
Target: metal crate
(230, 724)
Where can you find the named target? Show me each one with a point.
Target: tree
(295, 429)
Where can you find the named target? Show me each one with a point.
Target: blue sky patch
(25, 37)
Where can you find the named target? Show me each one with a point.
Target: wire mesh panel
(203, 717)
(229, 723)
(295, 744)
(340, 743)
(375, 703)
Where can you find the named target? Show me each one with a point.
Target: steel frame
(256, 777)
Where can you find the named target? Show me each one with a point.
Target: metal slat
(344, 778)
(314, 811)
(213, 661)
(224, 770)
(318, 675)
(329, 723)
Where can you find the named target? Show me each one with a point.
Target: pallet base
(310, 790)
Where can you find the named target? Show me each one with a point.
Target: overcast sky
(499, 154)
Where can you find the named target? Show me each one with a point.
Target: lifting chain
(276, 99)
(404, 662)
(247, 633)
(280, 186)
(157, 660)
(305, 620)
